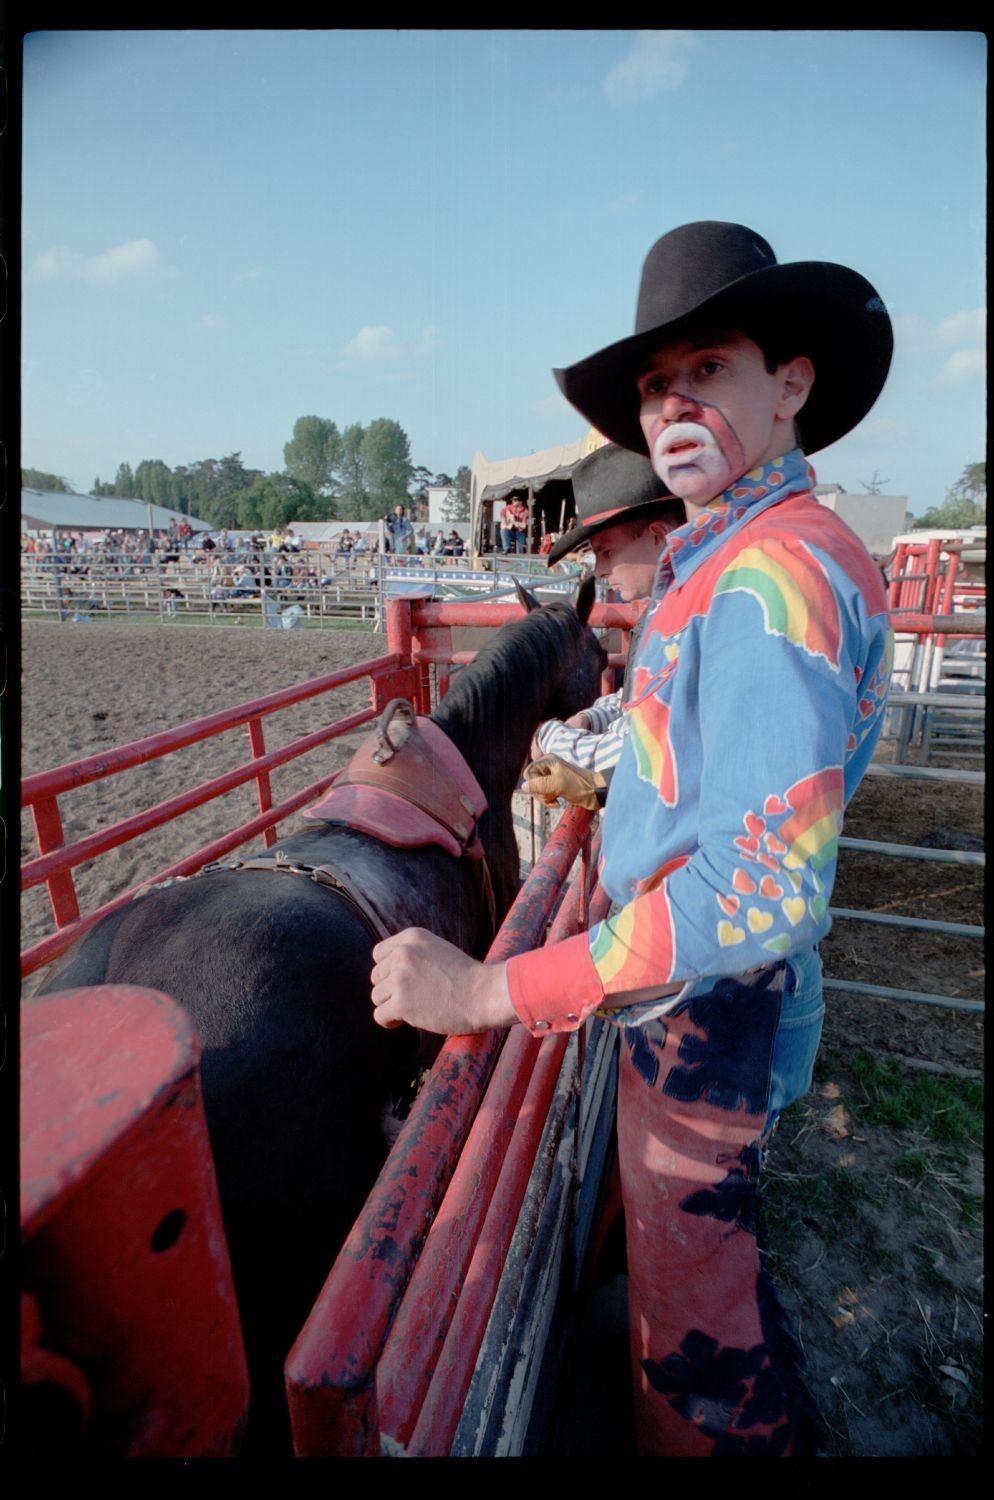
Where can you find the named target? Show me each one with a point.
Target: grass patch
(789, 1202)
(913, 1168)
(949, 1114)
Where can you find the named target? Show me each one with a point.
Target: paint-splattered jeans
(715, 1371)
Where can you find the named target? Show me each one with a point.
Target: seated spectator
(514, 526)
(243, 581)
(438, 545)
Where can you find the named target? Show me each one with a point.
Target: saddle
(407, 785)
(407, 788)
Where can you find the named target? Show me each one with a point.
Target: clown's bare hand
(423, 980)
(548, 778)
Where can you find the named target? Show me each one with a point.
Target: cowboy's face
(627, 556)
(711, 411)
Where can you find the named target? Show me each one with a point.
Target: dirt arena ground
(883, 1282)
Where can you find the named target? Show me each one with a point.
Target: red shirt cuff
(555, 988)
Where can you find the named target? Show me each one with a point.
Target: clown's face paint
(711, 412)
(702, 455)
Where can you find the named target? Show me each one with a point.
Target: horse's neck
(492, 730)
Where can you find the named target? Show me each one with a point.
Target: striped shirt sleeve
(595, 749)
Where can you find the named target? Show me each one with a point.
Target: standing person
(506, 527)
(400, 531)
(758, 693)
(517, 525)
(624, 514)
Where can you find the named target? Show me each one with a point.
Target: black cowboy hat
(612, 486)
(725, 276)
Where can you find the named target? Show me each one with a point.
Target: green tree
(459, 505)
(353, 491)
(226, 480)
(36, 479)
(275, 500)
(101, 487)
(124, 482)
(313, 453)
(973, 483)
(958, 511)
(965, 504)
(386, 456)
(418, 490)
(154, 482)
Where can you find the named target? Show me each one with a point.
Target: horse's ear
(525, 599)
(585, 595)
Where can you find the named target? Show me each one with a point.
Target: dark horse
(274, 970)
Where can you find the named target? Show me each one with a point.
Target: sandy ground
(91, 687)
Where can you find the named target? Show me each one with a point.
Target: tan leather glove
(548, 778)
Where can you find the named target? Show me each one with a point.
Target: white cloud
(658, 60)
(964, 365)
(963, 328)
(374, 342)
(625, 203)
(210, 320)
(251, 273)
(914, 335)
(138, 260)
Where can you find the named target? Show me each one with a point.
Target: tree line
(354, 474)
(965, 504)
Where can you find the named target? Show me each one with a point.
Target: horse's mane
(495, 703)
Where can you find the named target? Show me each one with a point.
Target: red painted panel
(124, 1257)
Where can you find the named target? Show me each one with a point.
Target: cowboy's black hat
(611, 486)
(725, 276)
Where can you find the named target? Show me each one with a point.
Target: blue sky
(226, 230)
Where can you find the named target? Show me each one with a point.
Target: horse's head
(578, 682)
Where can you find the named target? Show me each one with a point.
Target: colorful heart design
(748, 846)
(793, 909)
(744, 883)
(768, 861)
(772, 806)
(769, 888)
(754, 824)
(796, 880)
(759, 921)
(728, 904)
(775, 845)
(816, 906)
(728, 935)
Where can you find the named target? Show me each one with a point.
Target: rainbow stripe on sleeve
(794, 593)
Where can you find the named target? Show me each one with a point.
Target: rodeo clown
(756, 700)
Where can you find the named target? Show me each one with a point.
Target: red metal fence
(419, 637)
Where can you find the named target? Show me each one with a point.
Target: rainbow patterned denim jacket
(754, 708)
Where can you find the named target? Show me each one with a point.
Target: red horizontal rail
(47, 949)
(139, 752)
(54, 863)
